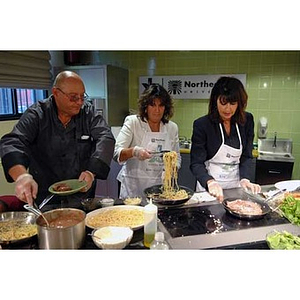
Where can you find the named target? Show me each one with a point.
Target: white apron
(224, 166)
(136, 175)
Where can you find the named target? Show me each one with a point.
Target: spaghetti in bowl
(17, 227)
(132, 201)
(155, 192)
(169, 193)
(119, 215)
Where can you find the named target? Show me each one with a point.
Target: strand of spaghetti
(15, 230)
(170, 185)
(117, 218)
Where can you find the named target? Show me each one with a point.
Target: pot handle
(33, 210)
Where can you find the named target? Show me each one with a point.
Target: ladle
(36, 211)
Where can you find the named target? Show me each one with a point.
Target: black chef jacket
(207, 139)
(53, 153)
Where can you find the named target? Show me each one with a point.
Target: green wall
(273, 84)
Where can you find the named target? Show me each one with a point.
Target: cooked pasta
(15, 230)
(133, 201)
(117, 217)
(171, 189)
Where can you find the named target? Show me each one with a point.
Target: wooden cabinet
(270, 172)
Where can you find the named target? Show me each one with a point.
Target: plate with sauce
(67, 187)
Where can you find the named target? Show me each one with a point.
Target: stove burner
(207, 219)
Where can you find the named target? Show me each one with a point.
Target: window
(25, 78)
(13, 102)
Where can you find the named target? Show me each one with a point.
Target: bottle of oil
(150, 223)
(255, 150)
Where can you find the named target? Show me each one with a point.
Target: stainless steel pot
(66, 230)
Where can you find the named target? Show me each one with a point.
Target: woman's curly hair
(156, 91)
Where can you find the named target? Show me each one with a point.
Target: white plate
(118, 208)
(289, 185)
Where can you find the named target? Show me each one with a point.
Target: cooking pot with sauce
(66, 229)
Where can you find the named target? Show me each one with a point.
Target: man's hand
(26, 188)
(88, 177)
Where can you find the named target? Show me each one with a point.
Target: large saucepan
(18, 221)
(66, 229)
(155, 191)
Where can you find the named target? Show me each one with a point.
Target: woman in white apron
(141, 137)
(222, 141)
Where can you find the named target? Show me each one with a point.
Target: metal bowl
(154, 191)
(23, 216)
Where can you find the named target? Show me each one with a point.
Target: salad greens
(283, 241)
(290, 208)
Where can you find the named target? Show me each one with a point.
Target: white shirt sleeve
(130, 135)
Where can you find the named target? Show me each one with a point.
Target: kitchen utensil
(275, 194)
(159, 153)
(74, 184)
(154, 192)
(264, 206)
(46, 200)
(18, 216)
(34, 209)
(66, 230)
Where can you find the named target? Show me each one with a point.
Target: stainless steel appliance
(107, 87)
(100, 106)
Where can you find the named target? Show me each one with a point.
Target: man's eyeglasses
(74, 97)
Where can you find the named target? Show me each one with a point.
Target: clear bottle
(159, 242)
(150, 223)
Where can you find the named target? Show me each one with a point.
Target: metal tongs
(46, 200)
(159, 153)
(275, 194)
(263, 198)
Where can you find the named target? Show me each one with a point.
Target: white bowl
(105, 202)
(112, 237)
(133, 201)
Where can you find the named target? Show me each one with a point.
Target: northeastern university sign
(187, 87)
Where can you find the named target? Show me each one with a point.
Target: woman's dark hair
(155, 91)
(228, 89)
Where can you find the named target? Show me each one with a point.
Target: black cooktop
(185, 221)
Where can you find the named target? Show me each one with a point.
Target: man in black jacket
(56, 139)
